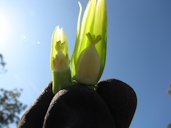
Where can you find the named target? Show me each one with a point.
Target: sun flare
(4, 28)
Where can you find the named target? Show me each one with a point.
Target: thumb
(34, 116)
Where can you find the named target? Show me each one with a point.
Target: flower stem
(61, 79)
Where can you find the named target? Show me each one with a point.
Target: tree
(169, 126)
(10, 107)
(2, 63)
(169, 91)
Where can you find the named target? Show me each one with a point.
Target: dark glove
(112, 105)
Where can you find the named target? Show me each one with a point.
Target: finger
(78, 107)
(34, 116)
(121, 100)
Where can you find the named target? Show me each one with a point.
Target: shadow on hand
(111, 105)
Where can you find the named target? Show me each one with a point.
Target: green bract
(89, 56)
(59, 60)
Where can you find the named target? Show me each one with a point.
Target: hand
(112, 105)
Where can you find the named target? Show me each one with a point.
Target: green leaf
(94, 22)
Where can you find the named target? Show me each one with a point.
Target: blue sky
(139, 49)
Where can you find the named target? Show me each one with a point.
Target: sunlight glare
(4, 28)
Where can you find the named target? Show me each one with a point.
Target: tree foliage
(2, 63)
(169, 91)
(10, 107)
(169, 126)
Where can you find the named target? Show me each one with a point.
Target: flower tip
(79, 3)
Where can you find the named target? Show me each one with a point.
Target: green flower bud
(59, 60)
(89, 56)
